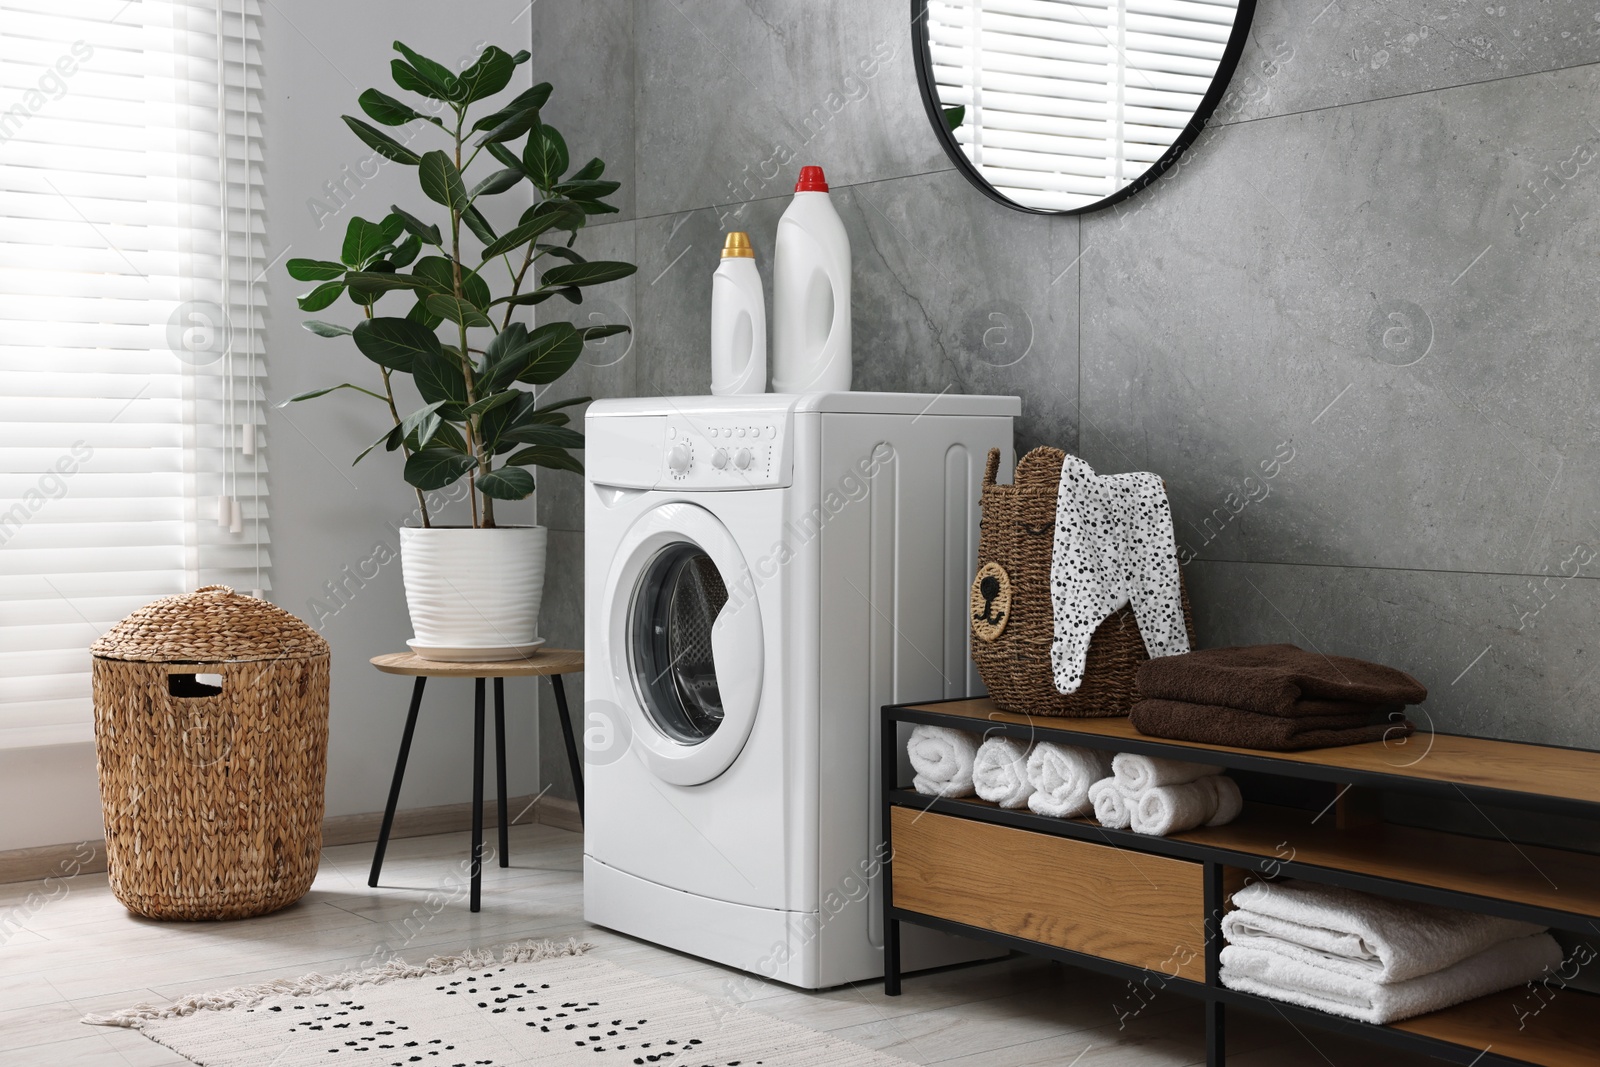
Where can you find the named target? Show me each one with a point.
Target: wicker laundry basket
(1013, 622)
(213, 795)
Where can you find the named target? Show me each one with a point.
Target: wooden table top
(543, 662)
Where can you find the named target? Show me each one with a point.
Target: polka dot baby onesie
(1113, 545)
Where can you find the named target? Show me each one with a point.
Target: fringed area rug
(538, 1002)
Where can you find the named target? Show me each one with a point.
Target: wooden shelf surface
(1555, 1028)
(1549, 878)
(1540, 877)
(1560, 774)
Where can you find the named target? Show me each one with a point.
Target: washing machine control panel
(747, 450)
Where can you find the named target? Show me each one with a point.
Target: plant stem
(394, 413)
(474, 442)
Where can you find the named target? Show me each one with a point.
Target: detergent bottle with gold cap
(738, 322)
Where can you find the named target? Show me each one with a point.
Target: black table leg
(399, 775)
(1216, 894)
(574, 759)
(500, 767)
(477, 793)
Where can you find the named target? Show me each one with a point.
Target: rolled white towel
(1000, 772)
(943, 760)
(1229, 802)
(1361, 934)
(1139, 773)
(1271, 974)
(1061, 776)
(1112, 805)
(1172, 809)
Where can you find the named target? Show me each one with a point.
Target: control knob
(719, 458)
(741, 458)
(679, 458)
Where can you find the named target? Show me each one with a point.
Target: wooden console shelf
(1011, 877)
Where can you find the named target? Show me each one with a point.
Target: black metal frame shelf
(1215, 860)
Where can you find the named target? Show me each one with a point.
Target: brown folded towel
(1212, 725)
(1272, 679)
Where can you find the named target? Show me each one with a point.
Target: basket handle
(991, 467)
(213, 588)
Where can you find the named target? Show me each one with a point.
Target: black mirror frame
(952, 148)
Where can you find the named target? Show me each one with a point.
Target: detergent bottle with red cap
(811, 293)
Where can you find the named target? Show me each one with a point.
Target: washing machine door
(685, 642)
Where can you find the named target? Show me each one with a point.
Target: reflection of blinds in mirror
(1067, 101)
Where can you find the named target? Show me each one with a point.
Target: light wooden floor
(82, 952)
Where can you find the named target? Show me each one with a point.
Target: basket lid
(213, 624)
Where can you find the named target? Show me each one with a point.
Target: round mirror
(1063, 106)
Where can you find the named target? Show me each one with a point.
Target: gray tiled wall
(1374, 276)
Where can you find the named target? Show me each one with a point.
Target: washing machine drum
(685, 641)
(680, 596)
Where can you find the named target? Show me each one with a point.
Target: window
(1067, 101)
(131, 278)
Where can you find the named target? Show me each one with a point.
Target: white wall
(325, 516)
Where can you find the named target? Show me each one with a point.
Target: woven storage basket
(213, 795)
(1013, 623)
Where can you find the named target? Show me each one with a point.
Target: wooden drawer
(1147, 911)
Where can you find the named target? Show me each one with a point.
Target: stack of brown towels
(1276, 697)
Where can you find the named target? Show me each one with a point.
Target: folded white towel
(1061, 776)
(1139, 773)
(1113, 545)
(1000, 772)
(1112, 804)
(1359, 934)
(1272, 974)
(943, 760)
(1229, 801)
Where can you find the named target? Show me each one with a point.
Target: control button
(713, 431)
(672, 431)
(740, 431)
(679, 458)
(719, 459)
(771, 432)
(741, 458)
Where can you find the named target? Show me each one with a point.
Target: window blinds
(131, 288)
(1067, 101)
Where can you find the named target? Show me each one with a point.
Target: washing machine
(762, 573)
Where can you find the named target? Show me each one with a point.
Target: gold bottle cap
(737, 246)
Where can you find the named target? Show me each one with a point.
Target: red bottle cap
(811, 180)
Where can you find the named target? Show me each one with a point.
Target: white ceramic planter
(474, 594)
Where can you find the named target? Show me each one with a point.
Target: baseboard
(53, 861)
(562, 814)
(89, 857)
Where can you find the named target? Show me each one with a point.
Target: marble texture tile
(1370, 289)
(950, 292)
(1501, 656)
(953, 292)
(592, 101)
(1307, 54)
(733, 97)
(607, 368)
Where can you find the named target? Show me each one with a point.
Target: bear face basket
(1013, 624)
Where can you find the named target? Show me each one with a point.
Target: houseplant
(473, 592)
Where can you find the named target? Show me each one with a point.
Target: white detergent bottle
(738, 322)
(811, 293)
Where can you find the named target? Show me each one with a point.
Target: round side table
(547, 662)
